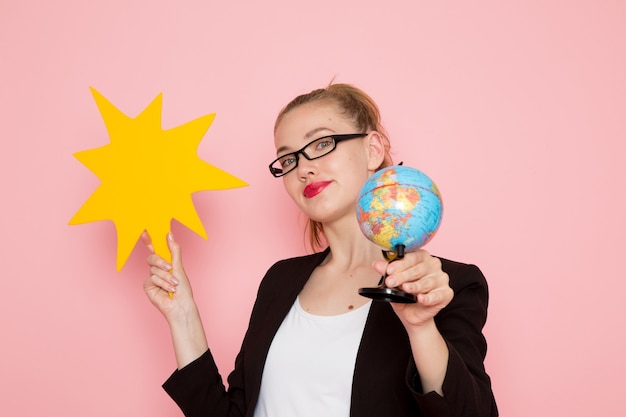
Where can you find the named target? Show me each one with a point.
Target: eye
(287, 160)
(323, 144)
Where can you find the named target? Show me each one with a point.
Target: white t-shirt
(310, 365)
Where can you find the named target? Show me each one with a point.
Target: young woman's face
(325, 188)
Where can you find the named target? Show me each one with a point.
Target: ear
(376, 150)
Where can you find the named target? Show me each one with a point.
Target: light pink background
(515, 108)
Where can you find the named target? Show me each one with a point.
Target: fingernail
(170, 236)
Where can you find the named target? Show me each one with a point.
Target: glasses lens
(320, 147)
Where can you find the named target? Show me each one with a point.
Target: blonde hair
(355, 105)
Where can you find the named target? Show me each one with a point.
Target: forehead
(310, 121)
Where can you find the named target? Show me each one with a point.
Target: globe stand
(384, 293)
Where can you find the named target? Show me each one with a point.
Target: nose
(305, 166)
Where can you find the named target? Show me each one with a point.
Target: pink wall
(516, 109)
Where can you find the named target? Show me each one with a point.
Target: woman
(314, 346)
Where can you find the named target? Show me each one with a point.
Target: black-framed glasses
(316, 149)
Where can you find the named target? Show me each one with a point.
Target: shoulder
(469, 286)
(463, 275)
(468, 308)
(294, 270)
(295, 264)
(298, 261)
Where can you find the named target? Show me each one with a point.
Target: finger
(421, 286)
(162, 283)
(440, 298)
(422, 254)
(164, 275)
(403, 273)
(431, 281)
(410, 258)
(177, 261)
(413, 268)
(380, 267)
(145, 238)
(400, 264)
(156, 260)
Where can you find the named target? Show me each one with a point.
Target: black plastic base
(390, 295)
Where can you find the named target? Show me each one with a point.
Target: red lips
(315, 188)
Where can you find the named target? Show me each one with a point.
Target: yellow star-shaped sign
(148, 175)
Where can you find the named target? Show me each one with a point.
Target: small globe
(399, 205)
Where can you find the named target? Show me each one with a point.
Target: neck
(349, 247)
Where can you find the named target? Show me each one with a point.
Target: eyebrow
(307, 136)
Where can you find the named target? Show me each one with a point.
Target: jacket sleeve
(466, 387)
(199, 391)
(198, 388)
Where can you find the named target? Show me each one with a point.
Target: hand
(179, 309)
(420, 274)
(167, 287)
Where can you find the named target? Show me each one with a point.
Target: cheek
(292, 187)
